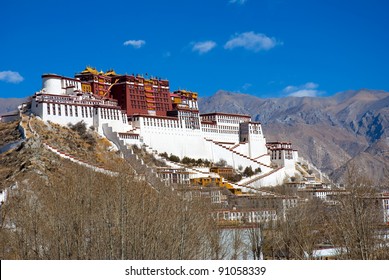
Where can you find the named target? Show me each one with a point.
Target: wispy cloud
(203, 47)
(252, 41)
(167, 54)
(246, 86)
(240, 2)
(306, 90)
(135, 43)
(11, 77)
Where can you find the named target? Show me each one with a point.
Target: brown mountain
(347, 129)
(10, 104)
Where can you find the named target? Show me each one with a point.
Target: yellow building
(220, 182)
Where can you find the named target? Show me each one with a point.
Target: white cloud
(307, 90)
(135, 43)
(246, 86)
(252, 41)
(11, 77)
(240, 2)
(203, 47)
(304, 93)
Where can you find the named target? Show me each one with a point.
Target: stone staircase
(237, 153)
(141, 170)
(246, 181)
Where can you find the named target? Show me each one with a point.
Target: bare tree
(256, 239)
(80, 214)
(355, 223)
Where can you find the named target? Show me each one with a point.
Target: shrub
(221, 163)
(258, 170)
(174, 158)
(234, 178)
(79, 127)
(89, 139)
(186, 160)
(248, 171)
(164, 155)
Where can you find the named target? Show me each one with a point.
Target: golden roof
(111, 72)
(89, 69)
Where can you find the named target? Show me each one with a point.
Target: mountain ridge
(10, 104)
(333, 132)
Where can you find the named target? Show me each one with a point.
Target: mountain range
(10, 104)
(340, 134)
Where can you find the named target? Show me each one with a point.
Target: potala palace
(134, 110)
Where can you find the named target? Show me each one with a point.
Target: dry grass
(9, 132)
(32, 158)
(93, 149)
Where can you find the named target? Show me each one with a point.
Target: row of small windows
(68, 83)
(228, 132)
(112, 114)
(228, 127)
(191, 122)
(231, 121)
(84, 112)
(55, 109)
(135, 106)
(209, 130)
(162, 106)
(209, 126)
(255, 131)
(188, 114)
(161, 123)
(142, 105)
(226, 119)
(278, 154)
(250, 216)
(136, 86)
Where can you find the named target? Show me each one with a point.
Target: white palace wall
(273, 179)
(257, 145)
(233, 159)
(243, 148)
(171, 136)
(228, 137)
(70, 112)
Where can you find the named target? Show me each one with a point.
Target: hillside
(32, 157)
(347, 129)
(64, 207)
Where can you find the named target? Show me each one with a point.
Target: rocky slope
(348, 129)
(30, 157)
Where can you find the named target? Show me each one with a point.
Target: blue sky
(268, 48)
